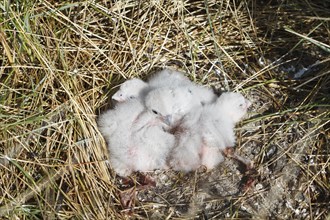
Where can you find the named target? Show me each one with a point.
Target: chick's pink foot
(245, 167)
(127, 196)
(230, 153)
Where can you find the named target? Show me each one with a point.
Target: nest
(61, 62)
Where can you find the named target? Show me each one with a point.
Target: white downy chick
(186, 154)
(171, 104)
(132, 88)
(152, 143)
(219, 120)
(135, 137)
(207, 131)
(115, 126)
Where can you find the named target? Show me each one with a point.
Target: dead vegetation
(61, 61)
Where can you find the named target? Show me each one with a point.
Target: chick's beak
(248, 103)
(167, 119)
(116, 97)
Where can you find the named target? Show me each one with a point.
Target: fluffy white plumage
(207, 131)
(152, 143)
(115, 126)
(174, 95)
(171, 104)
(168, 78)
(233, 104)
(139, 131)
(132, 88)
(136, 138)
(113, 121)
(219, 120)
(174, 79)
(186, 154)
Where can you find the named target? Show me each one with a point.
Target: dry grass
(61, 62)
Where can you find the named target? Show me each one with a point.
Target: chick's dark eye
(155, 112)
